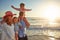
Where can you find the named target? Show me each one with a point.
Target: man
(25, 24)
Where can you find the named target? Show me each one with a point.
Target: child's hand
(12, 6)
(30, 9)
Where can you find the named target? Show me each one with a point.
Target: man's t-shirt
(22, 30)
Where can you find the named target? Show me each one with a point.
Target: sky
(40, 8)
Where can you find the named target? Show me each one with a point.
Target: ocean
(40, 29)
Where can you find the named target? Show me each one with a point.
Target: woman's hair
(6, 19)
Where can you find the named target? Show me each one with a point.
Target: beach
(36, 31)
(42, 37)
(43, 33)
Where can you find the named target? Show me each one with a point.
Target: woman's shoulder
(4, 24)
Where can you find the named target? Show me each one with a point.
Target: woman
(8, 27)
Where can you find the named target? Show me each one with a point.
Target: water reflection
(45, 34)
(51, 33)
(52, 38)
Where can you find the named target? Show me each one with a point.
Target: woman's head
(8, 17)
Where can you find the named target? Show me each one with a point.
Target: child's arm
(26, 22)
(16, 36)
(18, 9)
(28, 9)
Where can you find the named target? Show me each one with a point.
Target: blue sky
(38, 7)
(6, 5)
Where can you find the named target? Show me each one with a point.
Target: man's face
(22, 16)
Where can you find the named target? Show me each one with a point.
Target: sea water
(41, 28)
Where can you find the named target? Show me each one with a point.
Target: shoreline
(41, 37)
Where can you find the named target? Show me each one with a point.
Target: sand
(42, 37)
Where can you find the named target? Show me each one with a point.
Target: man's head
(21, 14)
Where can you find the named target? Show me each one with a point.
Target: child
(22, 8)
(16, 26)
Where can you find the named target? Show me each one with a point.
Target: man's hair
(21, 13)
(22, 4)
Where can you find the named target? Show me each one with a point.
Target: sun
(51, 13)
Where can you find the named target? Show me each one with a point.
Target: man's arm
(18, 9)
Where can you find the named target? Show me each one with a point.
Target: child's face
(21, 6)
(15, 20)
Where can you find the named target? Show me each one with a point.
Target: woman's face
(9, 19)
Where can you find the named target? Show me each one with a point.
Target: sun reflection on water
(52, 38)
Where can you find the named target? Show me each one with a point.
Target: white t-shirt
(9, 30)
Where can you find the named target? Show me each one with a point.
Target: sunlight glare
(51, 13)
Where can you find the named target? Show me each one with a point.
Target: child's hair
(21, 13)
(22, 4)
(14, 18)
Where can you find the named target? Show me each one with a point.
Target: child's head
(22, 5)
(15, 19)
